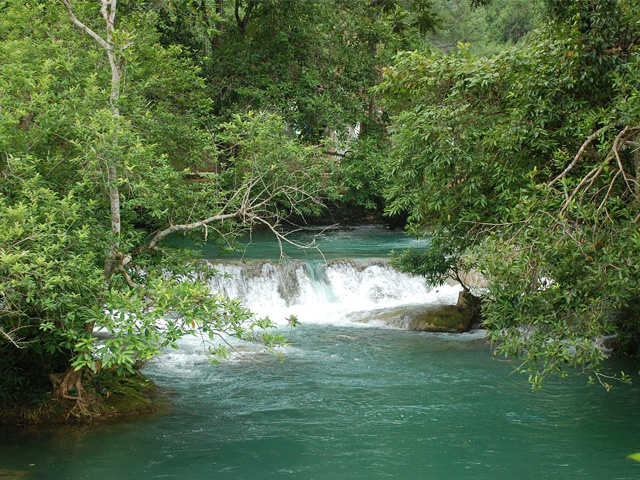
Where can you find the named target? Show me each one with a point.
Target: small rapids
(324, 292)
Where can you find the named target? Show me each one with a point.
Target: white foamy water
(324, 293)
(336, 293)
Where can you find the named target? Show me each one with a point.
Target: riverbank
(107, 397)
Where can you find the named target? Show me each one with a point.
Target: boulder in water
(442, 318)
(430, 317)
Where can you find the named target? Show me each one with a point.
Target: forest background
(504, 130)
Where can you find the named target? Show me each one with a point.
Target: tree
(94, 183)
(487, 27)
(526, 163)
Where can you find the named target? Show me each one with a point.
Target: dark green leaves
(527, 163)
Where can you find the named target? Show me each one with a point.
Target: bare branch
(579, 155)
(103, 43)
(606, 197)
(112, 13)
(18, 343)
(109, 14)
(158, 237)
(616, 152)
(588, 180)
(280, 237)
(590, 177)
(128, 278)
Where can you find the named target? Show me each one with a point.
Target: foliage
(255, 160)
(441, 261)
(634, 456)
(50, 271)
(295, 58)
(487, 27)
(314, 62)
(360, 173)
(94, 182)
(527, 162)
(207, 118)
(311, 62)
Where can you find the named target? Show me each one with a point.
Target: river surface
(322, 243)
(352, 400)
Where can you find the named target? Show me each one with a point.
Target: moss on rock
(443, 318)
(107, 397)
(423, 318)
(458, 318)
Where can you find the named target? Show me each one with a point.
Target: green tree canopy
(106, 150)
(526, 163)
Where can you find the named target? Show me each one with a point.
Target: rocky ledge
(458, 318)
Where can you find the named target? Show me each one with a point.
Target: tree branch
(128, 278)
(616, 152)
(103, 43)
(242, 22)
(578, 156)
(589, 179)
(9, 336)
(158, 237)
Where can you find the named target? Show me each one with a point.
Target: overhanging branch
(158, 237)
(625, 136)
(10, 337)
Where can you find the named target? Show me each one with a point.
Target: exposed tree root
(68, 386)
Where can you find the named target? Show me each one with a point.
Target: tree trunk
(244, 21)
(108, 11)
(220, 24)
(68, 385)
(220, 11)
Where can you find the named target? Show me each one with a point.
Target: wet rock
(289, 283)
(423, 318)
(442, 318)
(359, 264)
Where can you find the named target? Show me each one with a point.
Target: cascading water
(320, 282)
(324, 292)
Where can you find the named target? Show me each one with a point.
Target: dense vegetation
(524, 166)
(109, 148)
(124, 123)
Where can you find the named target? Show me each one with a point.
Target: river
(352, 400)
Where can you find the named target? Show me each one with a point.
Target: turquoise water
(331, 243)
(351, 401)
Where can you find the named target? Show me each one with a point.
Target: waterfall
(323, 292)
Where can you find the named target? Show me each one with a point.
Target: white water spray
(325, 293)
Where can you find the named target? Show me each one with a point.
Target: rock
(289, 284)
(442, 318)
(472, 307)
(423, 318)
(472, 279)
(359, 264)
